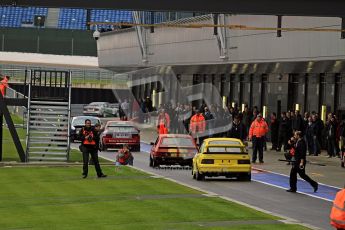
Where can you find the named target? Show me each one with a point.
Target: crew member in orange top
(4, 85)
(163, 122)
(89, 138)
(197, 126)
(338, 211)
(257, 132)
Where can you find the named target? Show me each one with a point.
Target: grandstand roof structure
(330, 8)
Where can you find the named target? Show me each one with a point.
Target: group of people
(231, 122)
(317, 134)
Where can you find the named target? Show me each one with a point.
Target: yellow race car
(222, 157)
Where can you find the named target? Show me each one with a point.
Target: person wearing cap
(4, 85)
(257, 132)
(197, 126)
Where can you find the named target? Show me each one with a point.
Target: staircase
(48, 120)
(52, 18)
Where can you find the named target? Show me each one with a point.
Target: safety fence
(80, 76)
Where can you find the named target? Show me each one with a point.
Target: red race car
(173, 149)
(118, 133)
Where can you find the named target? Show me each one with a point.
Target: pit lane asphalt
(305, 209)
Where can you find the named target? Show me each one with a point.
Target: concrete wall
(171, 46)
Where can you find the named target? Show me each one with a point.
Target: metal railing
(20, 111)
(80, 75)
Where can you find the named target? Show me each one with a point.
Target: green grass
(8, 148)
(57, 198)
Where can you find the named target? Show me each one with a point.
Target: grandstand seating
(72, 19)
(16, 16)
(110, 16)
(76, 18)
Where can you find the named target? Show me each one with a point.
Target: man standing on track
(197, 127)
(298, 166)
(257, 132)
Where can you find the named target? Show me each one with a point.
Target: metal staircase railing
(49, 112)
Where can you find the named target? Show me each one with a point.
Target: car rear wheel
(193, 173)
(151, 162)
(155, 164)
(245, 177)
(199, 176)
(137, 148)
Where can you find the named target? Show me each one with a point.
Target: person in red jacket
(197, 126)
(163, 122)
(124, 157)
(257, 132)
(4, 85)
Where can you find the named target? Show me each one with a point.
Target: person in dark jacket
(209, 121)
(298, 165)
(284, 132)
(318, 128)
(305, 122)
(331, 136)
(238, 130)
(297, 122)
(89, 139)
(309, 136)
(274, 131)
(247, 118)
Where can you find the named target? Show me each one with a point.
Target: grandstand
(76, 19)
(16, 16)
(72, 19)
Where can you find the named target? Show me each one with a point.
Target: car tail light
(108, 136)
(207, 161)
(136, 136)
(244, 162)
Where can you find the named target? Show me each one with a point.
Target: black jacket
(300, 152)
(297, 123)
(331, 129)
(285, 127)
(237, 131)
